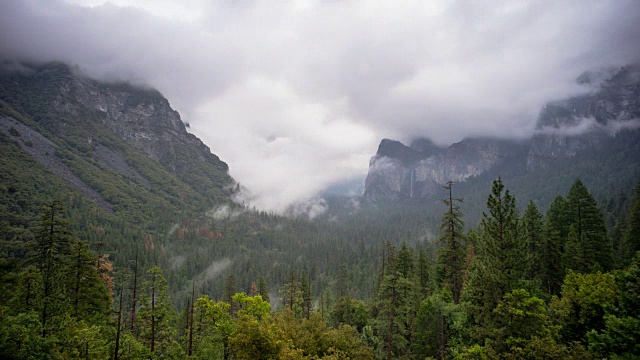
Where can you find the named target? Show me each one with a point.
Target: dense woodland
(556, 285)
(166, 266)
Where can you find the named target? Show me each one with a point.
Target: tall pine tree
(631, 238)
(533, 228)
(500, 263)
(591, 249)
(451, 255)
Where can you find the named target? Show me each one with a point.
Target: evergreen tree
(391, 323)
(551, 259)
(86, 290)
(342, 282)
(619, 338)
(557, 225)
(155, 315)
(305, 286)
(52, 249)
(533, 228)
(451, 255)
(500, 262)
(593, 250)
(230, 290)
(631, 238)
(423, 268)
(263, 290)
(433, 326)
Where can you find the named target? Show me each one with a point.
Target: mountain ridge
(104, 124)
(565, 129)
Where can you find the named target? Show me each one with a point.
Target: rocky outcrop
(141, 116)
(569, 127)
(110, 125)
(399, 172)
(565, 129)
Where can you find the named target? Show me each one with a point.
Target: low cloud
(216, 268)
(582, 126)
(311, 208)
(295, 95)
(225, 212)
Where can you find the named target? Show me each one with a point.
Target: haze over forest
(296, 95)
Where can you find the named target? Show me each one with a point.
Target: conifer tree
(593, 248)
(262, 289)
(451, 255)
(230, 290)
(631, 238)
(533, 228)
(86, 289)
(500, 262)
(155, 312)
(551, 259)
(52, 248)
(390, 322)
(423, 269)
(305, 286)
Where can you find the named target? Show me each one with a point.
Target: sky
(296, 95)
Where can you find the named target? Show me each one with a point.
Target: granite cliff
(606, 119)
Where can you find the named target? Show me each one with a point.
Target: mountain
(592, 130)
(117, 155)
(105, 122)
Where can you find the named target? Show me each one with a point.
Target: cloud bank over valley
(295, 95)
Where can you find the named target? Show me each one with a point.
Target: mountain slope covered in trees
(119, 240)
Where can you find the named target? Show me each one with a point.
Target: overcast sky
(296, 95)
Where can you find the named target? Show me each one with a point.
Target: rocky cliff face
(399, 172)
(569, 127)
(94, 118)
(565, 129)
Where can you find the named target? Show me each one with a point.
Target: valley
(114, 170)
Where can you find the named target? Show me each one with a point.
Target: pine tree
(451, 255)
(631, 238)
(551, 259)
(391, 324)
(155, 312)
(500, 262)
(52, 248)
(230, 290)
(594, 249)
(533, 228)
(262, 289)
(86, 289)
(423, 269)
(305, 286)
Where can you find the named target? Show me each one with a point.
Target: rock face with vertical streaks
(606, 118)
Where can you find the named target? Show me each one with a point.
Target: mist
(296, 95)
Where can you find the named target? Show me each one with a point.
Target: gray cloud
(295, 95)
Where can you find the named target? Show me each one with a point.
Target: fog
(296, 95)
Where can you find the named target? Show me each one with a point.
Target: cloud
(216, 268)
(310, 208)
(295, 95)
(224, 212)
(581, 126)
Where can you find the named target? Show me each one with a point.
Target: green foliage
(588, 245)
(622, 323)
(631, 239)
(434, 326)
(501, 260)
(582, 305)
(536, 241)
(451, 255)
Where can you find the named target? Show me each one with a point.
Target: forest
(558, 284)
